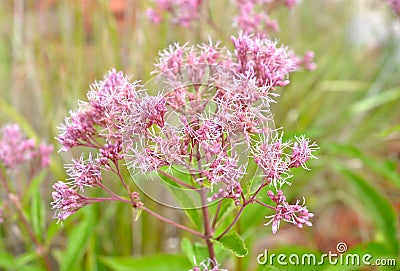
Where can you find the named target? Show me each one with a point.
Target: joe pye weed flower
(209, 121)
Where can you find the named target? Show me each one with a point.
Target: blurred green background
(50, 52)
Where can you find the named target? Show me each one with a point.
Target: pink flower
(270, 157)
(16, 148)
(66, 200)
(78, 129)
(302, 152)
(307, 61)
(296, 214)
(110, 152)
(261, 57)
(84, 172)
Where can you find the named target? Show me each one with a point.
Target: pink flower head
(110, 152)
(302, 152)
(15, 148)
(78, 129)
(296, 214)
(143, 160)
(84, 172)
(111, 98)
(271, 159)
(307, 61)
(66, 200)
(261, 57)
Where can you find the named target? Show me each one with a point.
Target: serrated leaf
(163, 262)
(234, 243)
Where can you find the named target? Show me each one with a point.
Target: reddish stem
(16, 200)
(167, 220)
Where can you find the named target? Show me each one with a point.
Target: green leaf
(384, 169)
(33, 186)
(6, 261)
(163, 262)
(255, 184)
(227, 208)
(77, 241)
(185, 200)
(200, 252)
(376, 100)
(233, 243)
(378, 207)
(38, 215)
(187, 248)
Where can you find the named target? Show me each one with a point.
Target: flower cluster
(100, 124)
(66, 200)
(296, 214)
(211, 116)
(272, 157)
(251, 20)
(16, 149)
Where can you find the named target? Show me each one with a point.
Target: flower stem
(176, 179)
(166, 220)
(17, 203)
(216, 214)
(232, 223)
(208, 232)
